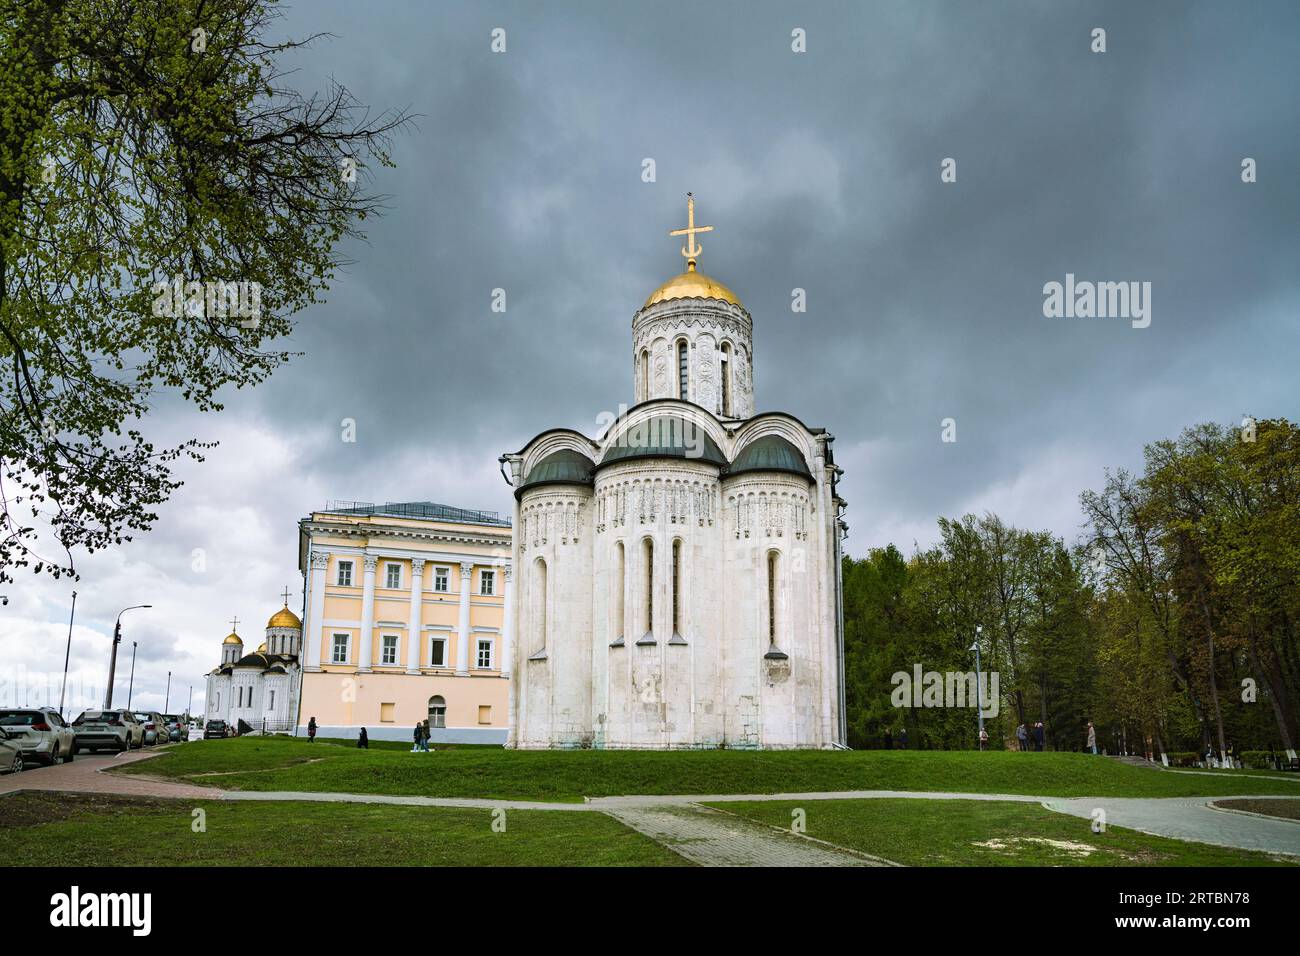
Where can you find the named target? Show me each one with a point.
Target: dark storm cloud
(820, 171)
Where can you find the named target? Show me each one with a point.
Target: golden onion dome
(284, 618)
(233, 638)
(692, 285)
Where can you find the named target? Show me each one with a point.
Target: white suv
(108, 730)
(40, 732)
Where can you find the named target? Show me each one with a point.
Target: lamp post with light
(112, 661)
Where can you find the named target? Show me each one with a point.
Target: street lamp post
(130, 687)
(67, 654)
(979, 704)
(112, 661)
(167, 699)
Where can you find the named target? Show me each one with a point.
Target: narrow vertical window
(645, 374)
(539, 606)
(771, 598)
(726, 378)
(649, 586)
(683, 384)
(677, 586)
(620, 565)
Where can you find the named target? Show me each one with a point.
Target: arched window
(677, 586)
(539, 606)
(437, 711)
(725, 372)
(771, 598)
(620, 571)
(645, 374)
(683, 371)
(648, 550)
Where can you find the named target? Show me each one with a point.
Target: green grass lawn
(286, 763)
(117, 831)
(986, 833)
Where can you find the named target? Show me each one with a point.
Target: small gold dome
(284, 618)
(692, 285)
(233, 638)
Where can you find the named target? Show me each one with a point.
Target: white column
(367, 614)
(507, 622)
(311, 628)
(462, 643)
(413, 624)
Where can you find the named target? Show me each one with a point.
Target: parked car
(40, 732)
(177, 730)
(108, 730)
(11, 753)
(154, 728)
(215, 730)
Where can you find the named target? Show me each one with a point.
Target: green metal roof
(563, 467)
(770, 453)
(665, 436)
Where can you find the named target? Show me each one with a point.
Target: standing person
(363, 740)
(426, 735)
(1092, 738)
(1038, 736)
(902, 738)
(418, 736)
(311, 731)
(1022, 737)
(889, 740)
(984, 739)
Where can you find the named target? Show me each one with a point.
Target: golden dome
(284, 618)
(233, 638)
(692, 285)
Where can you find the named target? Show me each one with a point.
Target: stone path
(710, 837)
(83, 776)
(1188, 818)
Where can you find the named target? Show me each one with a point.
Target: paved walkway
(1189, 818)
(708, 836)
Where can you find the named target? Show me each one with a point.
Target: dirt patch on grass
(1282, 808)
(32, 808)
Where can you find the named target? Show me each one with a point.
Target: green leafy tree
(150, 152)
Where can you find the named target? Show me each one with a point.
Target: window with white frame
(340, 654)
(437, 711)
(392, 575)
(487, 582)
(270, 704)
(438, 652)
(484, 654)
(344, 578)
(388, 652)
(440, 577)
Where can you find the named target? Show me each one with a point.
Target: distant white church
(260, 688)
(679, 577)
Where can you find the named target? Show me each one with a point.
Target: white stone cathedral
(260, 688)
(679, 577)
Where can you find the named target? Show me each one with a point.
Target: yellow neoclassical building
(405, 610)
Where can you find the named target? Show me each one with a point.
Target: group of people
(421, 736)
(1030, 736)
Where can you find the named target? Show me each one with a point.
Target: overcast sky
(819, 170)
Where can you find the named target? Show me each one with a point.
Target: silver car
(108, 730)
(11, 754)
(154, 728)
(40, 732)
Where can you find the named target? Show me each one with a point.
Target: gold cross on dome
(692, 249)
(234, 625)
(286, 595)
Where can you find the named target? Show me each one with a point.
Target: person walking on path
(1092, 738)
(363, 740)
(984, 739)
(1022, 737)
(311, 731)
